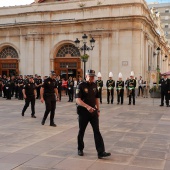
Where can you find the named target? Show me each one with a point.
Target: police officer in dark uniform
(70, 89)
(165, 90)
(80, 80)
(16, 86)
(59, 87)
(29, 94)
(4, 82)
(8, 89)
(120, 89)
(20, 87)
(38, 83)
(99, 84)
(110, 84)
(88, 111)
(131, 86)
(47, 92)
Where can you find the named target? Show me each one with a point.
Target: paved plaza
(137, 136)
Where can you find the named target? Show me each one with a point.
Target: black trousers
(164, 94)
(20, 92)
(140, 89)
(100, 94)
(16, 91)
(27, 102)
(110, 93)
(132, 95)
(50, 103)
(8, 93)
(70, 94)
(38, 92)
(4, 91)
(84, 118)
(120, 96)
(12, 90)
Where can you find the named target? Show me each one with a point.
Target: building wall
(119, 28)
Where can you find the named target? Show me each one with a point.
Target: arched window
(68, 49)
(8, 52)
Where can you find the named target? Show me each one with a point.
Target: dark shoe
(69, 101)
(104, 154)
(167, 105)
(100, 102)
(121, 103)
(107, 102)
(33, 116)
(22, 114)
(43, 122)
(129, 104)
(161, 105)
(111, 102)
(53, 124)
(133, 103)
(80, 153)
(118, 103)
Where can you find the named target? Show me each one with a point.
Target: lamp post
(84, 48)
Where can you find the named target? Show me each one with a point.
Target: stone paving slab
(137, 136)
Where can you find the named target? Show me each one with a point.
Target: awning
(167, 73)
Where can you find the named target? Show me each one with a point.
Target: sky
(160, 1)
(14, 2)
(24, 2)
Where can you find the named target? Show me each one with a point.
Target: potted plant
(155, 91)
(84, 57)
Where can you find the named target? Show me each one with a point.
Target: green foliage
(155, 89)
(84, 57)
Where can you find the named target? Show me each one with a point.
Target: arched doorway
(9, 61)
(67, 61)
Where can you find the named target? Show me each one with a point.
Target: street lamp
(84, 48)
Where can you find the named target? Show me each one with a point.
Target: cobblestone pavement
(137, 136)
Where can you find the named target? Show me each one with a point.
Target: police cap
(52, 72)
(90, 73)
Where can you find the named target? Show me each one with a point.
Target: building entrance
(67, 62)
(9, 62)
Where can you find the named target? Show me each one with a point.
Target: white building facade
(37, 38)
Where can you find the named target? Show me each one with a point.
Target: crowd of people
(13, 87)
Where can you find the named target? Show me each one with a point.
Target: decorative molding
(34, 38)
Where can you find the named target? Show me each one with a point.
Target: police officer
(131, 87)
(127, 90)
(110, 84)
(8, 89)
(80, 80)
(70, 89)
(88, 111)
(16, 86)
(29, 94)
(59, 87)
(47, 92)
(38, 83)
(20, 87)
(120, 89)
(99, 84)
(165, 90)
(4, 82)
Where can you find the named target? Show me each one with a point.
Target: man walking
(47, 92)
(29, 94)
(88, 111)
